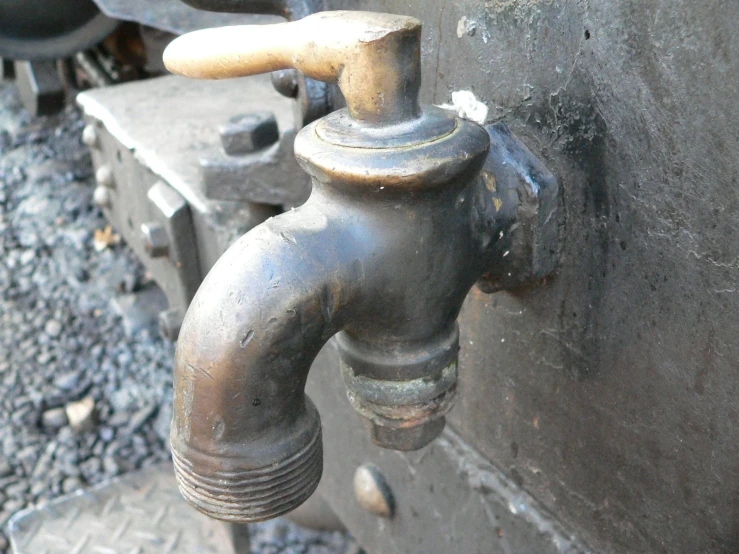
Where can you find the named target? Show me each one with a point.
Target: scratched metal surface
(140, 513)
(610, 393)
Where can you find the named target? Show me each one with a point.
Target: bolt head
(155, 239)
(407, 438)
(90, 136)
(372, 491)
(104, 176)
(248, 133)
(101, 197)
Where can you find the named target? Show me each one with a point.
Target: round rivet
(104, 176)
(372, 491)
(101, 197)
(90, 136)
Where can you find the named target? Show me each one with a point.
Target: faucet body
(401, 222)
(384, 253)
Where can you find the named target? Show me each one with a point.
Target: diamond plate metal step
(140, 513)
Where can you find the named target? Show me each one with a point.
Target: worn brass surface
(374, 58)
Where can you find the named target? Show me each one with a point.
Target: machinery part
(372, 491)
(140, 512)
(40, 87)
(50, 29)
(530, 250)
(152, 147)
(398, 228)
(244, 134)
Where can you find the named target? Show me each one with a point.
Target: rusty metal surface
(141, 512)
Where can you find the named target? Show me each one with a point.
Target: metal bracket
(527, 193)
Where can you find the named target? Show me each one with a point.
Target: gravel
(64, 351)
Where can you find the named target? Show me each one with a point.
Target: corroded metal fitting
(227, 488)
(403, 393)
(398, 228)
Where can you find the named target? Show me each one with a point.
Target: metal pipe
(243, 426)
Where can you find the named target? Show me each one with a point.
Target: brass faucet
(398, 228)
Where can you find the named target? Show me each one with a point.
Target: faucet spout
(246, 441)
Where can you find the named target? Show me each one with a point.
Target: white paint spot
(462, 26)
(467, 106)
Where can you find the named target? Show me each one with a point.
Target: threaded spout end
(254, 495)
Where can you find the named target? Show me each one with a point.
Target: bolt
(407, 438)
(170, 322)
(156, 242)
(90, 136)
(248, 133)
(285, 81)
(101, 197)
(372, 491)
(104, 176)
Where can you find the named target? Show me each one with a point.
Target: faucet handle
(375, 58)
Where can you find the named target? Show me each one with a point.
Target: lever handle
(374, 58)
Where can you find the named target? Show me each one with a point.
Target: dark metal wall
(610, 393)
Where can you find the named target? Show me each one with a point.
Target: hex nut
(90, 136)
(406, 439)
(244, 134)
(104, 176)
(101, 197)
(372, 491)
(155, 239)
